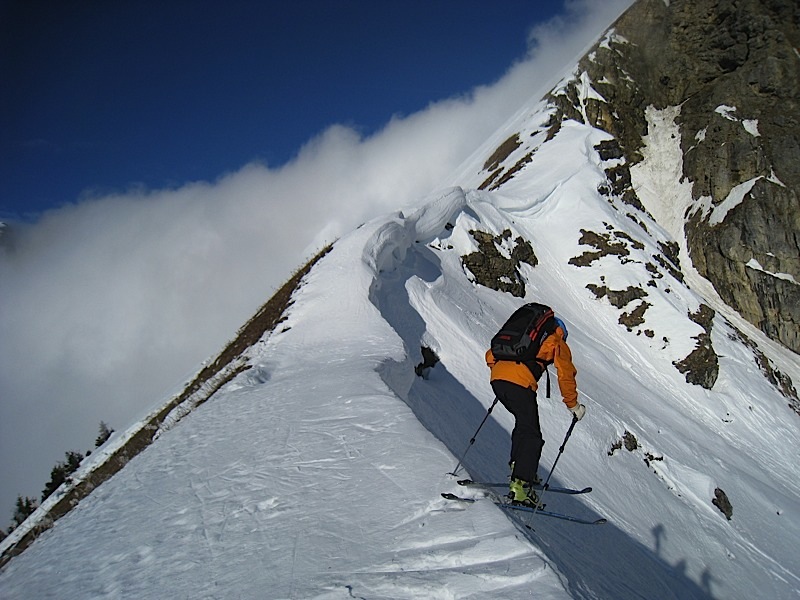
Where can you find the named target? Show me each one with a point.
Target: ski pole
(472, 441)
(560, 452)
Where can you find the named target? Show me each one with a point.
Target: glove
(578, 410)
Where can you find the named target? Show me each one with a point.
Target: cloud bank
(109, 305)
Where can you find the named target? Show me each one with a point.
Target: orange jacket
(554, 349)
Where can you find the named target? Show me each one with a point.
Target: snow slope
(305, 477)
(317, 473)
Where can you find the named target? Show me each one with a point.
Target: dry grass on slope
(213, 376)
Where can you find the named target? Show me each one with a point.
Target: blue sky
(101, 96)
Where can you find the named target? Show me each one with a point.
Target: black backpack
(521, 337)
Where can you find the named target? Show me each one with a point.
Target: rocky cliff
(729, 72)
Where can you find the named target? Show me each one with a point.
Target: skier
(515, 384)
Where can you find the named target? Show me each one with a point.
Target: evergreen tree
(103, 435)
(61, 472)
(58, 475)
(25, 506)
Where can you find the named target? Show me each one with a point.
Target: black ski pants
(526, 439)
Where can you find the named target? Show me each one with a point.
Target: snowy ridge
(294, 451)
(317, 472)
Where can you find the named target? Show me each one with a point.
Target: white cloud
(111, 304)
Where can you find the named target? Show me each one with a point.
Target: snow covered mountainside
(313, 467)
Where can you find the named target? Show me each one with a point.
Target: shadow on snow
(598, 561)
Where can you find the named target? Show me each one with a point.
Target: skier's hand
(578, 410)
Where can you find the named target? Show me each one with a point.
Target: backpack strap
(538, 368)
(546, 370)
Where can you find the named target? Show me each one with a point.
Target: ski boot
(521, 494)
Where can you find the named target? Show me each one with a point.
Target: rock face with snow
(731, 73)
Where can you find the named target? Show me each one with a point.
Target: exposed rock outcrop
(733, 68)
(496, 262)
(722, 502)
(701, 367)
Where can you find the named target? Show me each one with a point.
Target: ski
(550, 488)
(546, 513)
